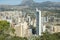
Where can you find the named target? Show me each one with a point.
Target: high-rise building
(38, 22)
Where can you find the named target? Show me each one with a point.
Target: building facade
(38, 22)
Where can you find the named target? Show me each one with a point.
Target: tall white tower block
(38, 22)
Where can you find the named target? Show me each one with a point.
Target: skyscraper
(38, 22)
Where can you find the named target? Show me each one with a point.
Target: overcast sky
(15, 2)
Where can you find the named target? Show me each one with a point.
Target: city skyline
(16, 2)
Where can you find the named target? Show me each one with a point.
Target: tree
(4, 26)
(48, 36)
(5, 29)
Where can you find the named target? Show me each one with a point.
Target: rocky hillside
(30, 4)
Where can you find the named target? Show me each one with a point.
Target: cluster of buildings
(22, 22)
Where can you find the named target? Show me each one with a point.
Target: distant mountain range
(27, 2)
(48, 5)
(45, 4)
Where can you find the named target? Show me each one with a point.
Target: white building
(39, 23)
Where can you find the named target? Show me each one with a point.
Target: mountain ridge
(47, 5)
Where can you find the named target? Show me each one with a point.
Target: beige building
(56, 28)
(22, 30)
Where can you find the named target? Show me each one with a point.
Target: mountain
(48, 5)
(45, 4)
(30, 4)
(27, 2)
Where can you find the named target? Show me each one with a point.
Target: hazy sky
(15, 2)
